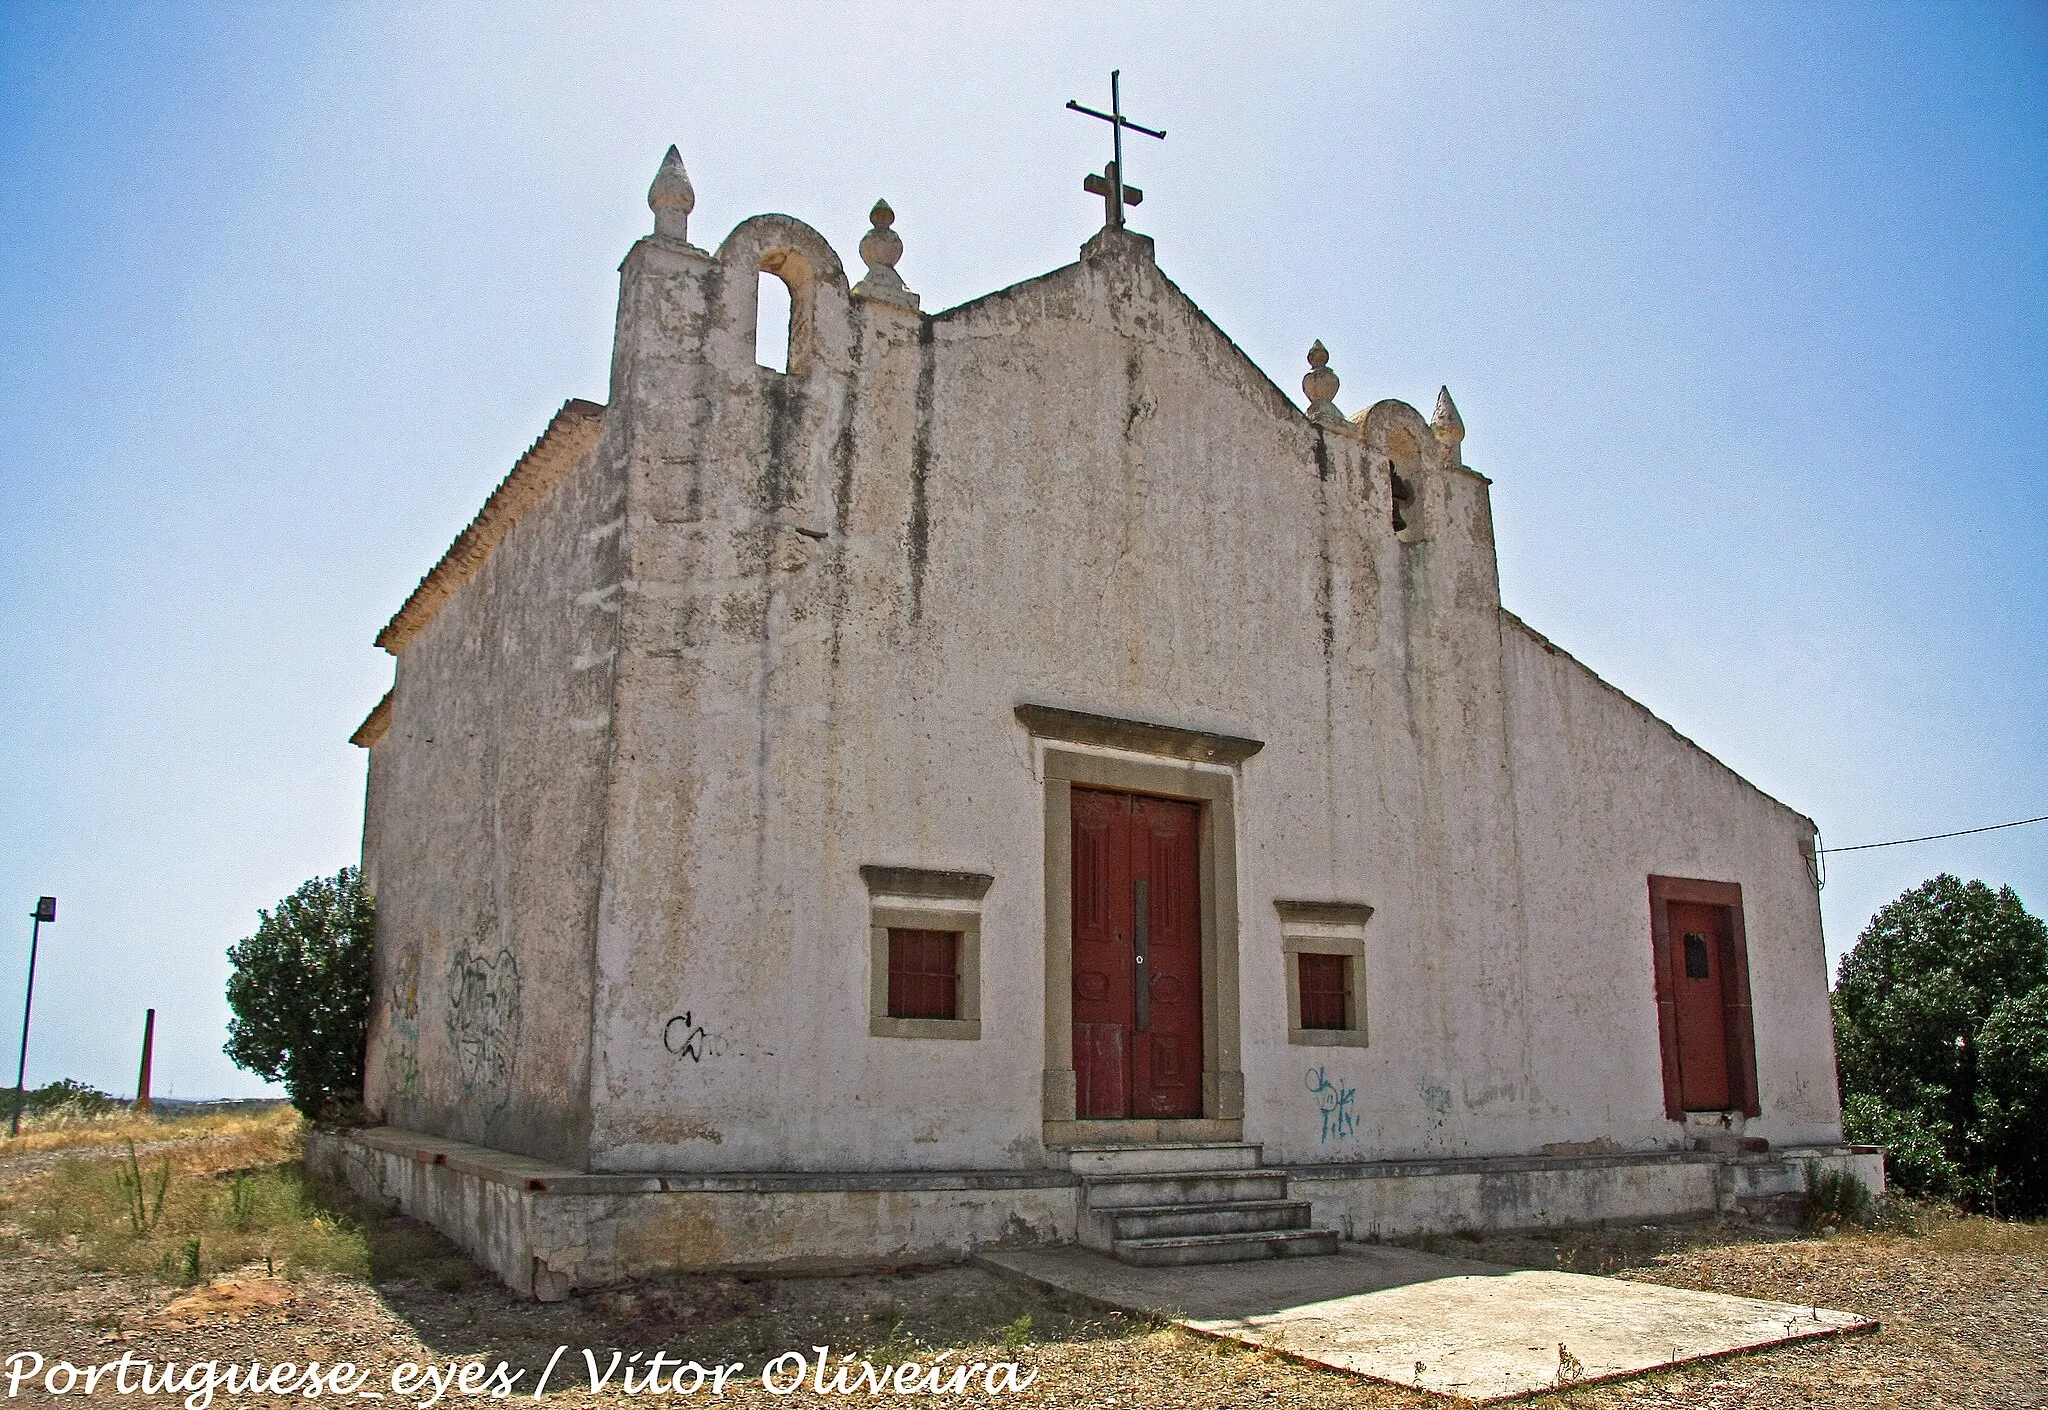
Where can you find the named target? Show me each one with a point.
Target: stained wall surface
(483, 836)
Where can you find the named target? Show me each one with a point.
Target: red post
(142, 1079)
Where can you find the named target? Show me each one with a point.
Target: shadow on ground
(459, 1310)
(1601, 1249)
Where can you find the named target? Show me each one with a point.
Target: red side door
(1698, 954)
(1137, 956)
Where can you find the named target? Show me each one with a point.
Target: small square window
(1325, 985)
(924, 973)
(924, 952)
(1696, 956)
(1323, 943)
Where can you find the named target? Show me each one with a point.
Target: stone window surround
(1325, 928)
(913, 898)
(1137, 757)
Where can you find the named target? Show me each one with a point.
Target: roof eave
(571, 433)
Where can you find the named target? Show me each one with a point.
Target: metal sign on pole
(46, 910)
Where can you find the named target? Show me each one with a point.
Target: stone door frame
(1740, 1031)
(1134, 757)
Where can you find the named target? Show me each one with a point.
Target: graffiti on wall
(1333, 1099)
(483, 1022)
(402, 1016)
(685, 1037)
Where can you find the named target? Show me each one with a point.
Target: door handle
(1144, 946)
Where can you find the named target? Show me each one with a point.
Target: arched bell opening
(1404, 473)
(771, 322)
(785, 319)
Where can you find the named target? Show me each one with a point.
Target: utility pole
(46, 910)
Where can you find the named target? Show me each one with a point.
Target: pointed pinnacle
(1448, 425)
(671, 197)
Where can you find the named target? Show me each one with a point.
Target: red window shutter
(1322, 990)
(924, 973)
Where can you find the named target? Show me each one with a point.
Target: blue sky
(1745, 306)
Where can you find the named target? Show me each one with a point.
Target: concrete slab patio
(1476, 1331)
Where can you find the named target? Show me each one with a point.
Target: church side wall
(486, 835)
(1607, 795)
(386, 1003)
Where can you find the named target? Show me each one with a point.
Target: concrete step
(1226, 1248)
(1105, 1192)
(1158, 1221)
(1169, 1157)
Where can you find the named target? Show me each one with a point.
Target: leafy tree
(2012, 1097)
(1941, 1032)
(300, 992)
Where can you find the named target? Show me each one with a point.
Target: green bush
(1914, 1159)
(300, 992)
(61, 1099)
(1835, 1197)
(2012, 1100)
(1941, 1033)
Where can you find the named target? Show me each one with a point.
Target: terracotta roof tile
(572, 432)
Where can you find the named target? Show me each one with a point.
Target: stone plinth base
(546, 1230)
(1376, 1199)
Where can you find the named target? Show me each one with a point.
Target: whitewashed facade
(744, 672)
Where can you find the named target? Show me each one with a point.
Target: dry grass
(66, 1131)
(177, 1201)
(1942, 1230)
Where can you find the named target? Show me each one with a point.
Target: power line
(1935, 837)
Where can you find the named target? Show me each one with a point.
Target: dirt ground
(1964, 1303)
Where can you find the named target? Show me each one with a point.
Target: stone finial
(672, 198)
(1320, 386)
(881, 247)
(1448, 425)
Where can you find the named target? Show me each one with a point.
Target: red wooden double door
(1137, 955)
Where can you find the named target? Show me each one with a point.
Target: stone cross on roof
(1110, 185)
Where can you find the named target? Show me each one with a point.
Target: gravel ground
(1964, 1306)
(1963, 1302)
